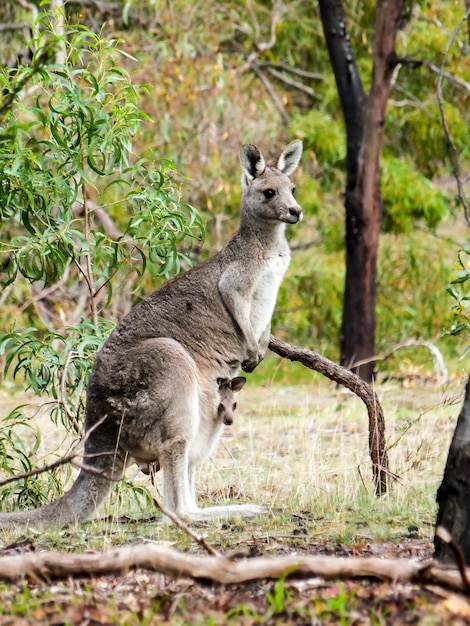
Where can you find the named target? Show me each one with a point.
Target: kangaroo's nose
(296, 212)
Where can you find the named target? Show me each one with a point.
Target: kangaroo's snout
(228, 419)
(293, 215)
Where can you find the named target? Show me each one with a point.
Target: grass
(301, 451)
(305, 450)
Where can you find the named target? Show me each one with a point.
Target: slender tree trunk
(453, 496)
(365, 119)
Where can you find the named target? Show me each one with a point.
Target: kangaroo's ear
(252, 161)
(290, 157)
(237, 383)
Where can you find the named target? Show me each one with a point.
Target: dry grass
(306, 449)
(303, 450)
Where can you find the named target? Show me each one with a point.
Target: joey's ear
(252, 161)
(237, 383)
(290, 157)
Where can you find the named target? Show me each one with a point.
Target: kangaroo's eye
(293, 191)
(269, 193)
(234, 406)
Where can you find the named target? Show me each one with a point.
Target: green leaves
(44, 259)
(55, 364)
(82, 218)
(458, 289)
(69, 151)
(408, 196)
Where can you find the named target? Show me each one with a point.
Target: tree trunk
(453, 496)
(365, 119)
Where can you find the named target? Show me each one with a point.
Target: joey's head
(227, 403)
(268, 192)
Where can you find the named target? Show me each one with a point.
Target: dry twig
(440, 366)
(184, 527)
(445, 536)
(69, 458)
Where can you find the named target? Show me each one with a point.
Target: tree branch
(455, 152)
(459, 83)
(285, 67)
(291, 82)
(440, 366)
(343, 376)
(199, 539)
(271, 91)
(48, 566)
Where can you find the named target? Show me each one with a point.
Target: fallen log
(357, 385)
(49, 566)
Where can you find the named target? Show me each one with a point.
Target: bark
(453, 495)
(348, 379)
(467, 10)
(48, 566)
(365, 119)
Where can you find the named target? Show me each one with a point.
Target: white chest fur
(265, 292)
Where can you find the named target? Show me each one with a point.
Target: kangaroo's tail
(79, 503)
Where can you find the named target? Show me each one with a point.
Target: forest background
(219, 76)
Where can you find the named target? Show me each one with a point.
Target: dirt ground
(142, 597)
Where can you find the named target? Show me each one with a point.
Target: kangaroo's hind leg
(181, 423)
(161, 415)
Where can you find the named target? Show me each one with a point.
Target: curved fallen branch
(48, 566)
(439, 363)
(345, 377)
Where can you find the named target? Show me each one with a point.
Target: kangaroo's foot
(226, 512)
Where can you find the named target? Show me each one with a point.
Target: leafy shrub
(322, 134)
(409, 196)
(85, 218)
(419, 133)
(458, 290)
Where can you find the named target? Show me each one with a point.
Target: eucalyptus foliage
(81, 215)
(458, 289)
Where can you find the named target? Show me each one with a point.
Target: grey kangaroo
(153, 392)
(223, 417)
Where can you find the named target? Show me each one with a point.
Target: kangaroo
(153, 387)
(227, 404)
(212, 429)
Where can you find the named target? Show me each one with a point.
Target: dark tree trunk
(365, 119)
(453, 496)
